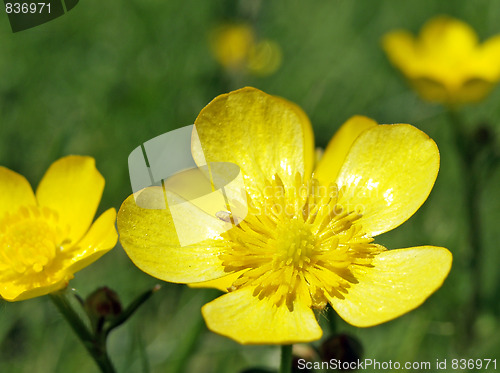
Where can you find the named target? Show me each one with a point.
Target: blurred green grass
(110, 75)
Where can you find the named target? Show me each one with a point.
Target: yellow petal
(446, 63)
(231, 45)
(308, 133)
(246, 319)
(262, 134)
(473, 90)
(387, 175)
(35, 285)
(338, 147)
(15, 191)
(150, 239)
(434, 90)
(448, 37)
(489, 59)
(400, 48)
(221, 284)
(100, 238)
(72, 186)
(399, 281)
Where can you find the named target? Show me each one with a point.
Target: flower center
(294, 245)
(298, 241)
(29, 240)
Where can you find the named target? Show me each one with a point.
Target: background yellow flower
(238, 49)
(446, 63)
(307, 240)
(48, 236)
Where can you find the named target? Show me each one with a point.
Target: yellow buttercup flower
(231, 45)
(446, 63)
(308, 237)
(237, 49)
(48, 236)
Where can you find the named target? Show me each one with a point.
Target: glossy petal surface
(249, 320)
(221, 284)
(23, 289)
(15, 191)
(387, 175)
(399, 281)
(262, 134)
(72, 186)
(100, 238)
(338, 147)
(150, 239)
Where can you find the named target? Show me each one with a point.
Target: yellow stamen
(29, 240)
(298, 236)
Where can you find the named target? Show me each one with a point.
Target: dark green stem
(186, 346)
(95, 346)
(286, 359)
(332, 320)
(468, 154)
(130, 310)
(184, 349)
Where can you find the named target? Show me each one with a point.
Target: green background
(109, 75)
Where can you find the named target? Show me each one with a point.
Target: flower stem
(286, 359)
(95, 346)
(468, 154)
(189, 341)
(130, 310)
(332, 320)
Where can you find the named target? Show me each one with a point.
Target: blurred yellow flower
(307, 239)
(446, 63)
(48, 236)
(237, 49)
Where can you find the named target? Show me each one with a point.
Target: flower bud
(341, 347)
(483, 135)
(103, 303)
